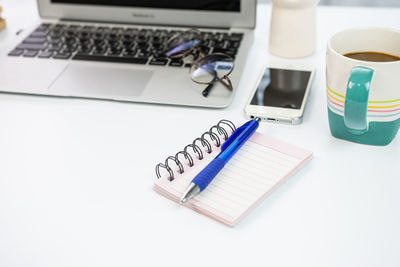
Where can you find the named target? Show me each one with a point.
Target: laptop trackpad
(101, 82)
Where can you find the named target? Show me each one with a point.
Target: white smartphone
(281, 93)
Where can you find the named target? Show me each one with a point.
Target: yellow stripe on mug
(330, 91)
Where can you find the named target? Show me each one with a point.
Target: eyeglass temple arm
(207, 90)
(228, 85)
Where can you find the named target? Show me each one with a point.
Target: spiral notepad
(254, 171)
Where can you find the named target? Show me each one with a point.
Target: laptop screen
(209, 5)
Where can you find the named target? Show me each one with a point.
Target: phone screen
(281, 88)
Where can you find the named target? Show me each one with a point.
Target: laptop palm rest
(101, 82)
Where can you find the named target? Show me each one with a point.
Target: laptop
(107, 49)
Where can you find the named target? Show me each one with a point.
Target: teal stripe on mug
(379, 133)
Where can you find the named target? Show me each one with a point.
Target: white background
(76, 178)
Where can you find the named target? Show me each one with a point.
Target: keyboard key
(60, 26)
(142, 45)
(231, 51)
(131, 31)
(62, 55)
(133, 60)
(85, 49)
(127, 44)
(157, 54)
(99, 51)
(205, 49)
(113, 43)
(235, 37)
(130, 53)
(42, 28)
(16, 53)
(38, 34)
(55, 34)
(176, 63)
(73, 28)
(45, 54)
(84, 35)
(69, 34)
(204, 35)
(31, 46)
(116, 30)
(144, 53)
(55, 48)
(89, 28)
(114, 52)
(214, 36)
(102, 29)
(142, 38)
(145, 32)
(159, 61)
(34, 40)
(70, 40)
(219, 45)
(98, 42)
(233, 44)
(30, 53)
(113, 37)
(71, 47)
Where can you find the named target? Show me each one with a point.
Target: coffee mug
(364, 95)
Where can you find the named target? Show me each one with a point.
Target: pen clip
(234, 135)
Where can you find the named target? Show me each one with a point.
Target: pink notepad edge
(280, 146)
(215, 215)
(264, 140)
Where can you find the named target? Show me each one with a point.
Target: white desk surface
(76, 179)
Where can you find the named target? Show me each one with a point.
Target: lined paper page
(254, 170)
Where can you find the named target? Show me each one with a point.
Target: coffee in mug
(372, 56)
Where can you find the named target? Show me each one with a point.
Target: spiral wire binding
(215, 133)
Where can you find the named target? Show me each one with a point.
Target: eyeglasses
(204, 69)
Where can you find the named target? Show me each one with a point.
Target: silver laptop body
(121, 81)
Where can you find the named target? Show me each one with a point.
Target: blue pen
(228, 149)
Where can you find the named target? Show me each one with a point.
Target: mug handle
(356, 100)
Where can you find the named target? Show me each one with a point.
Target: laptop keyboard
(115, 44)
